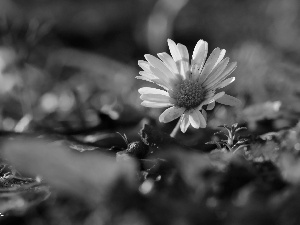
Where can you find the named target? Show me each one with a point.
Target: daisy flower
(188, 85)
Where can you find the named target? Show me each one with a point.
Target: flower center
(188, 94)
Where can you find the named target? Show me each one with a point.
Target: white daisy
(187, 86)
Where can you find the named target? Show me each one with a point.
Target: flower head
(188, 86)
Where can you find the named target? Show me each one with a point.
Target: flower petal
(211, 106)
(230, 68)
(226, 82)
(212, 99)
(198, 59)
(169, 61)
(156, 81)
(215, 84)
(144, 65)
(221, 56)
(197, 120)
(171, 114)
(185, 122)
(155, 104)
(202, 120)
(184, 61)
(150, 77)
(217, 71)
(200, 52)
(155, 62)
(144, 78)
(174, 50)
(145, 74)
(229, 100)
(210, 63)
(209, 94)
(154, 74)
(219, 95)
(206, 102)
(194, 119)
(157, 98)
(204, 113)
(162, 77)
(149, 90)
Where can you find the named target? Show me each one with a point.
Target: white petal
(209, 94)
(148, 90)
(210, 63)
(144, 78)
(174, 50)
(171, 114)
(211, 99)
(161, 84)
(217, 71)
(226, 82)
(200, 52)
(229, 100)
(202, 120)
(206, 102)
(155, 104)
(162, 77)
(204, 113)
(157, 98)
(184, 61)
(185, 122)
(195, 119)
(214, 84)
(154, 74)
(155, 62)
(169, 61)
(230, 68)
(198, 59)
(150, 76)
(211, 106)
(221, 56)
(195, 70)
(144, 65)
(219, 95)
(156, 81)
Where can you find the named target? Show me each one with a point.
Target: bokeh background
(69, 65)
(67, 77)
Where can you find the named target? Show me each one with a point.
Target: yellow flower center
(188, 94)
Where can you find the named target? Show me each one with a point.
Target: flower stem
(175, 130)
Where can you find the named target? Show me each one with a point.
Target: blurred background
(69, 65)
(67, 73)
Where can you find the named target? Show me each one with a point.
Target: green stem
(176, 129)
